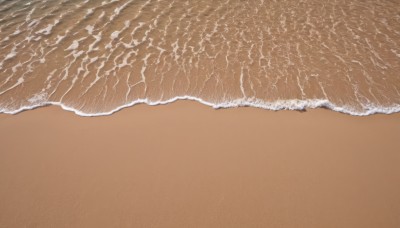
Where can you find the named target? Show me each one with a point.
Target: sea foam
(294, 105)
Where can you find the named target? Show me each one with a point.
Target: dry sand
(187, 165)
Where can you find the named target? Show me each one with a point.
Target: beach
(187, 165)
(187, 113)
(95, 57)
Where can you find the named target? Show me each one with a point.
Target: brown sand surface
(187, 165)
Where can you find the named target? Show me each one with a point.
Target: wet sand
(187, 165)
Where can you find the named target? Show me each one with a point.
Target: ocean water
(96, 57)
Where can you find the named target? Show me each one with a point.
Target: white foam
(33, 22)
(274, 106)
(60, 38)
(38, 98)
(89, 28)
(89, 12)
(16, 32)
(14, 68)
(73, 46)
(12, 54)
(48, 29)
(45, 31)
(114, 35)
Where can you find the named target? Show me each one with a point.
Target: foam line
(274, 106)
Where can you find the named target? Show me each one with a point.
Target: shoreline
(278, 105)
(188, 165)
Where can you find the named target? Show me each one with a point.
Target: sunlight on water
(95, 57)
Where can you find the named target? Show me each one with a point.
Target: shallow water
(95, 57)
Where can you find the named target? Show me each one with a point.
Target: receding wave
(97, 57)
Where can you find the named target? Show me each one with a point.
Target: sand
(188, 165)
